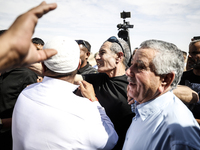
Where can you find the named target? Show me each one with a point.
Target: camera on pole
(123, 29)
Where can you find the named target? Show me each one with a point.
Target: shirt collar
(147, 109)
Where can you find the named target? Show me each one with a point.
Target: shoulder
(95, 76)
(90, 70)
(183, 136)
(179, 123)
(25, 71)
(187, 73)
(185, 76)
(120, 79)
(178, 113)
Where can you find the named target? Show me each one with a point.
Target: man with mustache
(191, 78)
(162, 121)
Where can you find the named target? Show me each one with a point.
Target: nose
(97, 57)
(129, 71)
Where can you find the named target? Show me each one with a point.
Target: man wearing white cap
(48, 115)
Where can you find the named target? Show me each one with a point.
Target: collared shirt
(162, 124)
(49, 116)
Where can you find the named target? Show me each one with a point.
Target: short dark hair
(2, 31)
(37, 40)
(84, 43)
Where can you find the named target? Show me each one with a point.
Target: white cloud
(95, 20)
(162, 7)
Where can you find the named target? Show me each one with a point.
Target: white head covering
(67, 58)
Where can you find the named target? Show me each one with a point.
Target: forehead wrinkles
(106, 47)
(145, 55)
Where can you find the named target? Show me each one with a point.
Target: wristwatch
(1, 124)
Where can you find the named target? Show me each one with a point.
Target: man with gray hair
(162, 121)
(110, 84)
(48, 115)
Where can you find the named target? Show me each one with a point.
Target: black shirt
(193, 81)
(112, 95)
(189, 76)
(87, 70)
(11, 84)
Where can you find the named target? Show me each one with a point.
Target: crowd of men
(61, 102)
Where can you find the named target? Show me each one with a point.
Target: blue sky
(175, 21)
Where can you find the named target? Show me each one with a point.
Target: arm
(37, 68)
(16, 48)
(87, 91)
(186, 94)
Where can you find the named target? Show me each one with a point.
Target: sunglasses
(83, 43)
(113, 39)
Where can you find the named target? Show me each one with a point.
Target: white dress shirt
(48, 116)
(164, 123)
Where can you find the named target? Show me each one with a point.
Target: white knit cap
(67, 58)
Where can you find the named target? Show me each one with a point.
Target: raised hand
(16, 48)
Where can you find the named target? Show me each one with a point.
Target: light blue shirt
(164, 123)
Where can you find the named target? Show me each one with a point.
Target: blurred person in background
(85, 49)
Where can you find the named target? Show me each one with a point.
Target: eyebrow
(140, 62)
(102, 50)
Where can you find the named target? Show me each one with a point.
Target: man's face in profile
(144, 84)
(106, 59)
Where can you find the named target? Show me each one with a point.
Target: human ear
(166, 81)
(87, 54)
(119, 56)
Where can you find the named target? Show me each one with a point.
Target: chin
(100, 70)
(131, 94)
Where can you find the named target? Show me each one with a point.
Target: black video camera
(125, 25)
(125, 15)
(123, 30)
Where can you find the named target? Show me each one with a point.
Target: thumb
(45, 54)
(80, 84)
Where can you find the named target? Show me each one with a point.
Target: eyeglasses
(83, 43)
(113, 39)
